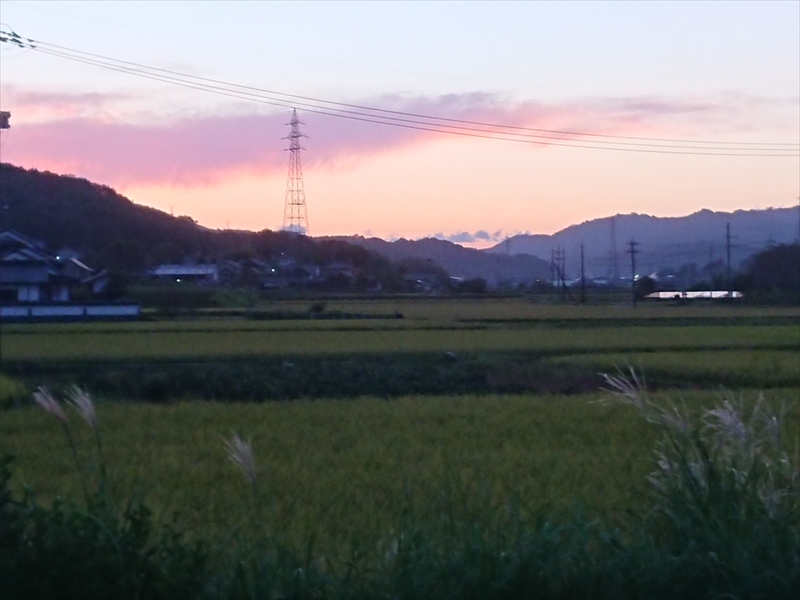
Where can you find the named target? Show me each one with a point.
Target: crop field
(453, 310)
(744, 367)
(459, 412)
(352, 462)
(345, 464)
(233, 342)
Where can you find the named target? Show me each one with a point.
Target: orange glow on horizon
(415, 192)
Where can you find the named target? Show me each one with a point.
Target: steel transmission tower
(294, 210)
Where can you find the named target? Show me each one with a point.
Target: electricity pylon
(295, 218)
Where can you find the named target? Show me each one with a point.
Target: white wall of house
(72, 311)
(60, 294)
(28, 293)
(57, 311)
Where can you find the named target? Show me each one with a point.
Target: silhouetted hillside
(668, 243)
(65, 211)
(108, 230)
(467, 263)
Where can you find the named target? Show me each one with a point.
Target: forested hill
(111, 231)
(665, 243)
(468, 263)
(65, 211)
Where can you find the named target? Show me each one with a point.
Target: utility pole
(798, 220)
(583, 278)
(4, 124)
(633, 252)
(555, 260)
(728, 267)
(613, 261)
(562, 273)
(557, 270)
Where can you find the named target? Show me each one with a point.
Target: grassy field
(339, 478)
(418, 312)
(449, 346)
(231, 342)
(360, 456)
(741, 368)
(346, 466)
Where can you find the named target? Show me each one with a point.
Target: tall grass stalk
(723, 523)
(723, 479)
(81, 401)
(47, 401)
(98, 552)
(240, 453)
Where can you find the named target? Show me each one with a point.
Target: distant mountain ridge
(109, 229)
(466, 263)
(669, 242)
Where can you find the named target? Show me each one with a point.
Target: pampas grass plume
(241, 454)
(45, 399)
(82, 402)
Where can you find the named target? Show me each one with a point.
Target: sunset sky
(716, 77)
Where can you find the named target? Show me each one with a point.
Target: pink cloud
(54, 106)
(197, 150)
(206, 149)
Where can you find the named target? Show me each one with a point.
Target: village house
(202, 274)
(35, 284)
(28, 273)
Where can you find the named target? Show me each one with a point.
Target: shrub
(93, 551)
(723, 523)
(12, 392)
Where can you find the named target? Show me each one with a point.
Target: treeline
(109, 231)
(776, 269)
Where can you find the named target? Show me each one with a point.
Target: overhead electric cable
(419, 115)
(410, 120)
(423, 116)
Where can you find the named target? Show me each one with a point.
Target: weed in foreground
(95, 551)
(723, 523)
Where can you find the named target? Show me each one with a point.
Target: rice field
(514, 308)
(345, 466)
(348, 473)
(383, 447)
(90, 345)
(745, 368)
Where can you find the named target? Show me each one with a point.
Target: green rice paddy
(337, 470)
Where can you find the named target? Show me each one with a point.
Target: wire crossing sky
(421, 122)
(467, 120)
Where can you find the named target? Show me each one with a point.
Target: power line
(420, 115)
(255, 94)
(410, 120)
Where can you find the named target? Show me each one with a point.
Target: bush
(723, 523)
(66, 551)
(12, 392)
(93, 551)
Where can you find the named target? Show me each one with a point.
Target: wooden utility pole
(728, 268)
(583, 279)
(633, 251)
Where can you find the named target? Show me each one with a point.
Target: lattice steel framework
(294, 211)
